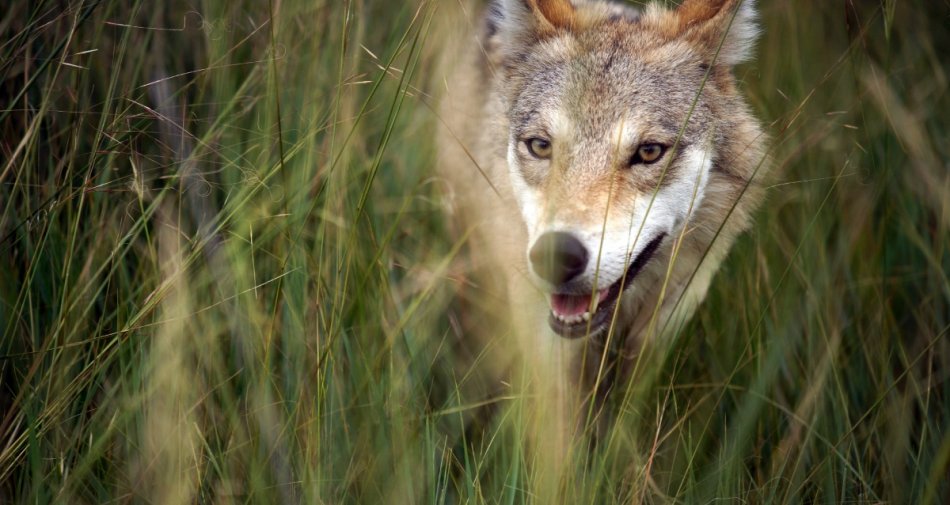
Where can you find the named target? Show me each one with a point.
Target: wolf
(606, 160)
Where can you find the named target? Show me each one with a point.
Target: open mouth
(574, 316)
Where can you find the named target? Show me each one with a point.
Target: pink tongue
(573, 305)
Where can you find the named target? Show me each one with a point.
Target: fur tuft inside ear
(729, 22)
(520, 23)
(558, 13)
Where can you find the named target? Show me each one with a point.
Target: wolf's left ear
(518, 24)
(709, 23)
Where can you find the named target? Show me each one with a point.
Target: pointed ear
(519, 23)
(709, 23)
(559, 14)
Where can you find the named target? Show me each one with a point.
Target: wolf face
(617, 122)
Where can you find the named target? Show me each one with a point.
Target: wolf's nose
(558, 257)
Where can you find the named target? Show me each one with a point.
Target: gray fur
(615, 79)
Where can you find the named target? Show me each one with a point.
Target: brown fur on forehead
(600, 77)
(596, 82)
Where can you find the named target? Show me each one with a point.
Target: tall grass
(226, 274)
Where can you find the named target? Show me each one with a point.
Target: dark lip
(600, 317)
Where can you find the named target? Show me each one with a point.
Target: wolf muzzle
(558, 257)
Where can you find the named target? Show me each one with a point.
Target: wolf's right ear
(726, 26)
(515, 25)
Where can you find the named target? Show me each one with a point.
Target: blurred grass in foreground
(226, 274)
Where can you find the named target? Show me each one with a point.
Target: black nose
(558, 257)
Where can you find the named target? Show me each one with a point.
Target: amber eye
(648, 153)
(539, 148)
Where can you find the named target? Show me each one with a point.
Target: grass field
(226, 274)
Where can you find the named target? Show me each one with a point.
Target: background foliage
(226, 274)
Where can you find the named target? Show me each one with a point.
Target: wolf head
(617, 121)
